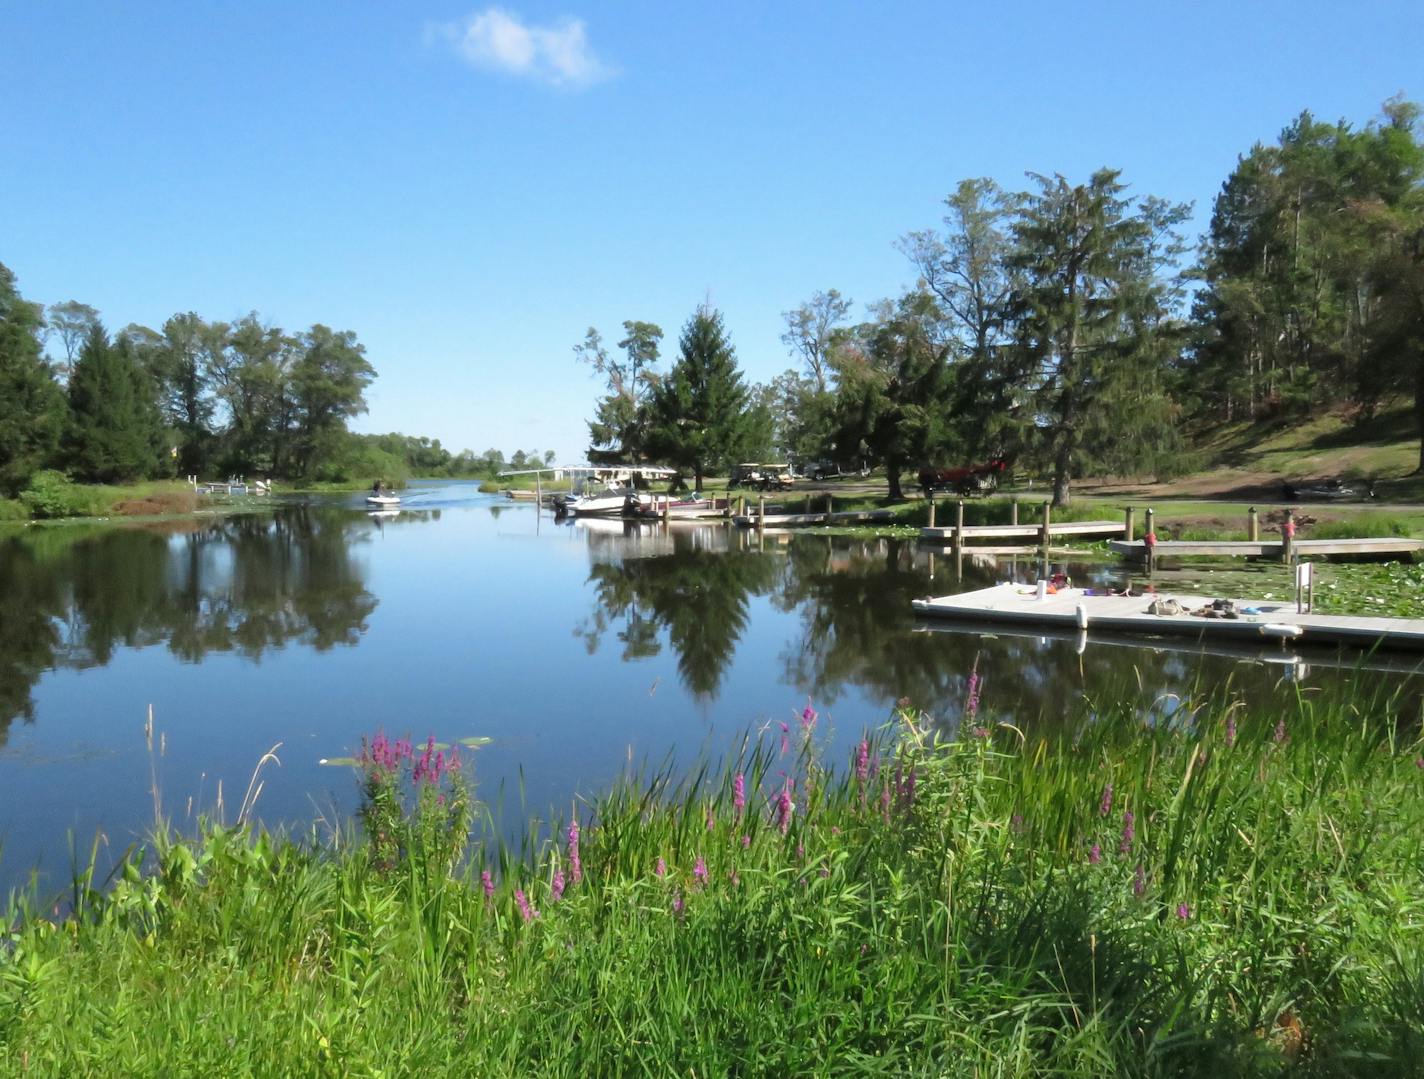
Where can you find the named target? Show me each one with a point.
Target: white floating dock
(1016, 604)
(1267, 548)
(802, 520)
(1080, 529)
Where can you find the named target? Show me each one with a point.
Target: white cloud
(497, 40)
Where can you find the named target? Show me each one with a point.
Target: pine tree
(113, 418)
(31, 404)
(698, 417)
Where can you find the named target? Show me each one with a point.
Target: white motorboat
(610, 502)
(382, 501)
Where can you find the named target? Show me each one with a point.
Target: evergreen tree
(113, 434)
(894, 390)
(31, 404)
(698, 416)
(1094, 333)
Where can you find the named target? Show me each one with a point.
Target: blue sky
(470, 187)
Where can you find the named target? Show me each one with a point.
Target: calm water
(576, 647)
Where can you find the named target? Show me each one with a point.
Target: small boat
(382, 501)
(611, 502)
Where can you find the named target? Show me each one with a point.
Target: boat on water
(382, 501)
(659, 506)
(609, 502)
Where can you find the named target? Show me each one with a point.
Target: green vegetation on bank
(1215, 890)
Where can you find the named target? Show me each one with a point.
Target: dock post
(1047, 524)
(808, 503)
(1253, 526)
(1127, 524)
(932, 524)
(667, 507)
(1149, 540)
(959, 526)
(830, 503)
(1014, 511)
(538, 492)
(761, 514)
(741, 505)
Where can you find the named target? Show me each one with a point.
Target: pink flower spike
(1184, 911)
(1095, 854)
(488, 882)
(700, 870)
(808, 717)
(556, 889)
(661, 869)
(746, 842)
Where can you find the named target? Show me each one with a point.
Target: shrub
(52, 494)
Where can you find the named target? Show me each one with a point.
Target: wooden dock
(804, 520)
(1266, 548)
(1078, 529)
(1074, 608)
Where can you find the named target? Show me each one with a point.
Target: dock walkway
(1266, 548)
(1080, 529)
(803, 520)
(1018, 604)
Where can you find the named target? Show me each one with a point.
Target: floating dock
(1014, 604)
(804, 520)
(1294, 658)
(1077, 529)
(1265, 548)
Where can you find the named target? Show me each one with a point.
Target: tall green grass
(972, 905)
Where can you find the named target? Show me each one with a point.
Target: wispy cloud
(498, 40)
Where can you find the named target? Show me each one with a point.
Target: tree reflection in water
(71, 597)
(695, 583)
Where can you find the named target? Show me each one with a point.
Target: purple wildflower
(700, 870)
(1105, 803)
(808, 717)
(1139, 880)
(785, 807)
(1128, 833)
(556, 889)
(488, 882)
(785, 738)
(825, 871)
(575, 863)
(733, 877)
(1280, 734)
(874, 765)
(661, 869)
(971, 698)
(526, 912)
(800, 852)
(746, 842)
(885, 803)
(1095, 854)
(1184, 911)
(677, 903)
(862, 760)
(981, 732)
(739, 793)
(1230, 731)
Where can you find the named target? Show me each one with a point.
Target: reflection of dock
(1266, 548)
(1074, 609)
(1295, 656)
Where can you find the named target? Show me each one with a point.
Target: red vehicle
(970, 480)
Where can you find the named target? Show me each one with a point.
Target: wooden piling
(1127, 524)
(1149, 540)
(959, 524)
(761, 514)
(1253, 525)
(1014, 511)
(932, 508)
(1047, 524)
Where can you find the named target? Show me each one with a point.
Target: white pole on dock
(959, 525)
(1253, 526)
(761, 514)
(538, 492)
(932, 524)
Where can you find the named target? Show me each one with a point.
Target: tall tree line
(196, 397)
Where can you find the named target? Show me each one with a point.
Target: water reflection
(72, 597)
(693, 582)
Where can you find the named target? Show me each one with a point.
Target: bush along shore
(1218, 891)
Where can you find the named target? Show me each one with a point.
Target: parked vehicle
(968, 480)
(762, 477)
(826, 469)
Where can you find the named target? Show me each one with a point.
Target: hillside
(1255, 460)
